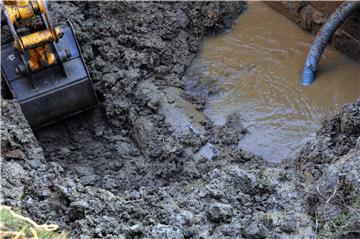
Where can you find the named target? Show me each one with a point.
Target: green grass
(14, 225)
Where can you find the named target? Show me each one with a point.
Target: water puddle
(254, 70)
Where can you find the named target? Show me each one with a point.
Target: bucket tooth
(52, 93)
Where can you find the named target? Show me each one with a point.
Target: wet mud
(147, 163)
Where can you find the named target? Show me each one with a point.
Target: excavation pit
(148, 161)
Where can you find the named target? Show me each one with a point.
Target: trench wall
(311, 15)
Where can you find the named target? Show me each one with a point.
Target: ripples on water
(254, 70)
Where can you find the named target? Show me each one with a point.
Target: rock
(185, 218)
(255, 231)
(219, 212)
(35, 163)
(78, 209)
(135, 231)
(147, 137)
(165, 231)
(15, 154)
(246, 181)
(182, 19)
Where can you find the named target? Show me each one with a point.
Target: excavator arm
(44, 68)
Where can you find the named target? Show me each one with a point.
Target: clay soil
(147, 163)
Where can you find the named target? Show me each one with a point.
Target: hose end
(307, 77)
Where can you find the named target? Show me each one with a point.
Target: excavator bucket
(44, 69)
(53, 93)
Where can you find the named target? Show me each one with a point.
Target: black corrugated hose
(323, 37)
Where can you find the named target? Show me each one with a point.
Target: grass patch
(16, 226)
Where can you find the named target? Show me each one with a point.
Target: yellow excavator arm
(36, 43)
(43, 65)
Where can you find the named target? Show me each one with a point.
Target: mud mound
(226, 202)
(330, 163)
(336, 138)
(238, 196)
(120, 53)
(127, 143)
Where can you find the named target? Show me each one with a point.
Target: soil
(147, 163)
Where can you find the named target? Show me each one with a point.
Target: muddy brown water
(254, 70)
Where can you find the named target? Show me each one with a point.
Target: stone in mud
(147, 137)
(219, 212)
(255, 230)
(165, 231)
(15, 154)
(78, 209)
(246, 181)
(185, 217)
(182, 18)
(135, 231)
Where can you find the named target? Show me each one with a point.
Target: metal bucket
(53, 93)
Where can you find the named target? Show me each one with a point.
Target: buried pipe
(322, 39)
